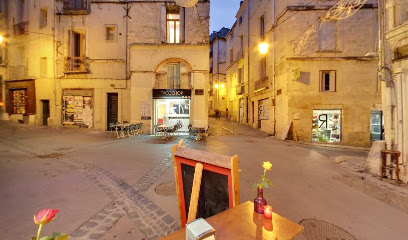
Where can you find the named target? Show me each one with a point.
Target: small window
(262, 73)
(43, 18)
(43, 67)
(262, 21)
(110, 32)
(327, 81)
(173, 28)
(231, 55)
(240, 20)
(242, 42)
(327, 36)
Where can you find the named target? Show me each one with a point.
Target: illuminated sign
(171, 93)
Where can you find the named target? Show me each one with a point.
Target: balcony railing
(240, 89)
(76, 64)
(261, 84)
(76, 6)
(21, 28)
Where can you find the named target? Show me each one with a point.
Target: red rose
(45, 216)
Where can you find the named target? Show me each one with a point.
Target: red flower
(45, 216)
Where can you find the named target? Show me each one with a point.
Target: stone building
(394, 76)
(217, 88)
(314, 73)
(90, 63)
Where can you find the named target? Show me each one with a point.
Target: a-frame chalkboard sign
(206, 183)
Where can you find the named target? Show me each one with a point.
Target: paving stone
(151, 207)
(90, 224)
(159, 212)
(98, 217)
(79, 233)
(133, 215)
(117, 215)
(167, 219)
(95, 235)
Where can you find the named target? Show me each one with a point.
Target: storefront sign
(171, 93)
(326, 126)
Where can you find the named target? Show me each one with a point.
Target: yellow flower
(267, 165)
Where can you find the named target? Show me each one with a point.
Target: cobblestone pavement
(132, 201)
(152, 221)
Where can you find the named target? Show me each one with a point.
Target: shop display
(78, 110)
(19, 101)
(326, 126)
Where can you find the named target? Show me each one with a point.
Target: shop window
(327, 36)
(179, 107)
(327, 81)
(43, 18)
(110, 32)
(174, 76)
(19, 101)
(78, 110)
(326, 126)
(173, 25)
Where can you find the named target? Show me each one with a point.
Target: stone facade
(394, 76)
(330, 73)
(218, 62)
(106, 57)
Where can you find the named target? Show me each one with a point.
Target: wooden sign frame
(202, 160)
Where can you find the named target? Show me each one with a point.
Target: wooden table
(242, 223)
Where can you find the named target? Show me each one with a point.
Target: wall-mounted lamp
(263, 48)
(216, 85)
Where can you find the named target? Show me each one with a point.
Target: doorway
(45, 111)
(112, 109)
(241, 110)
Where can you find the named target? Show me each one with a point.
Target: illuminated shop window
(326, 126)
(19, 101)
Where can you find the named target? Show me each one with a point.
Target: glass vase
(259, 202)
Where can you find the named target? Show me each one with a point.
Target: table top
(242, 223)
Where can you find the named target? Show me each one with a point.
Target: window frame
(43, 20)
(174, 81)
(115, 32)
(175, 21)
(322, 73)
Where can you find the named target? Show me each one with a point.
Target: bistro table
(200, 131)
(165, 130)
(242, 223)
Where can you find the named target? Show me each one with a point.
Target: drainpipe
(249, 56)
(387, 77)
(273, 70)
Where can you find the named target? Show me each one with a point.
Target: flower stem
(39, 231)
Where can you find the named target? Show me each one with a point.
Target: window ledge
(329, 51)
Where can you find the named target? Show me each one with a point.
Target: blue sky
(222, 13)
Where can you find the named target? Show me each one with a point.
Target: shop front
(20, 99)
(326, 126)
(171, 106)
(77, 107)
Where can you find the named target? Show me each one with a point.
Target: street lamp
(263, 48)
(1, 39)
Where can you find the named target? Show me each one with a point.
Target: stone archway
(173, 73)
